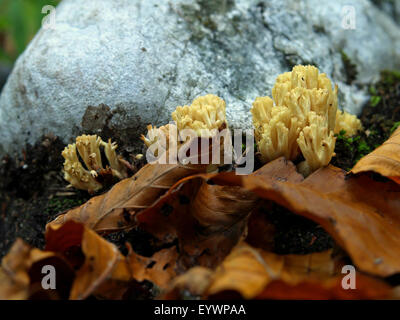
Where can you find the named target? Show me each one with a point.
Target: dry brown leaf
(160, 268)
(261, 231)
(363, 215)
(20, 273)
(366, 288)
(104, 271)
(14, 272)
(194, 282)
(384, 160)
(256, 274)
(248, 270)
(206, 220)
(114, 210)
(11, 289)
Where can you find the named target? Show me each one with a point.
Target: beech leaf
(384, 160)
(361, 214)
(206, 220)
(104, 271)
(256, 274)
(21, 273)
(114, 210)
(159, 269)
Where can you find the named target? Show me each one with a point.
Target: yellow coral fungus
(205, 114)
(188, 140)
(304, 90)
(261, 112)
(347, 122)
(163, 137)
(317, 144)
(91, 176)
(301, 117)
(276, 137)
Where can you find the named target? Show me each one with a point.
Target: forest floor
(33, 191)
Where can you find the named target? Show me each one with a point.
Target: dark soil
(295, 234)
(380, 117)
(33, 192)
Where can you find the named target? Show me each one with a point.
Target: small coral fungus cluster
(300, 121)
(302, 117)
(204, 118)
(91, 174)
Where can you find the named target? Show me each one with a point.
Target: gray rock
(143, 58)
(391, 7)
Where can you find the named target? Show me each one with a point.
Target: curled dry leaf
(102, 270)
(21, 273)
(160, 268)
(114, 210)
(256, 274)
(384, 160)
(206, 220)
(362, 215)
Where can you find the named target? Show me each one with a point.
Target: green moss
(350, 149)
(375, 100)
(395, 126)
(60, 204)
(378, 122)
(382, 112)
(390, 77)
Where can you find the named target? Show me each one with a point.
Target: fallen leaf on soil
(206, 220)
(261, 231)
(256, 274)
(102, 270)
(21, 273)
(329, 289)
(193, 283)
(114, 210)
(362, 215)
(384, 160)
(159, 269)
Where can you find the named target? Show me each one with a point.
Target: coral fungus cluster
(90, 174)
(205, 114)
(204, 118)
(301, 118)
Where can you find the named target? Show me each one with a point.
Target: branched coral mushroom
(304, 90)
(347, 122)
(205, 114)
(164, 136)
(317, 144)
(276, 130)
(93, 175)
(195, 125)
(300, 118)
